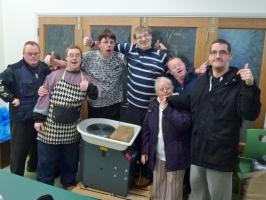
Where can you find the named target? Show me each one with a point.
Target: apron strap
(81, 75)
(63, 76)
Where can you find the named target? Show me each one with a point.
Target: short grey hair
(162, 79)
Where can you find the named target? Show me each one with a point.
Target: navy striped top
(144, 66)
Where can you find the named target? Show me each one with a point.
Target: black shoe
(69, 187)
(46, 197)
(31, 169)
(142, 181)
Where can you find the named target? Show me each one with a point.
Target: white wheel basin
(102, 141)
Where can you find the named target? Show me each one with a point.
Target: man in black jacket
(224, 97)
(19, 84)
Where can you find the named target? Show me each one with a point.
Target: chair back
(255, 143)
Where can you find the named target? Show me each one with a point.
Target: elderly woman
(165, 143)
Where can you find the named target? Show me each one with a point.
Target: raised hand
(88, 41)
(47, 59)
(163, 103)
(84, 85)
(53, 63)
(202, 69)
(160, 46)
(246, 75)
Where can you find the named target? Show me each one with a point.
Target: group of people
(194, 121)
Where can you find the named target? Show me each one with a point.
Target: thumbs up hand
(159, 45)
(246, 75)
(88, 41)
(84, 85)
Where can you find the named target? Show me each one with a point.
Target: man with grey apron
(56, 117)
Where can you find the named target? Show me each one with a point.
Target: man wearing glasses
(19, 84)
(145, 64)
(224, 97)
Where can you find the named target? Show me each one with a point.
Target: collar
(144, 51)
(27, 64)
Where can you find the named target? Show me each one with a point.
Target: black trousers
(23, 143)
(53, 157)
(136, 115)
(108, 112)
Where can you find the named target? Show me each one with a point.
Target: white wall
(20, 18)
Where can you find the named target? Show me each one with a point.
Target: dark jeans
(64, 156)
(108, 112)
(136, 115)
(23, 142)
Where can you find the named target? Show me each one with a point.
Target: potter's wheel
(100, 129)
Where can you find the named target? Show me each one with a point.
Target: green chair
(254, 149)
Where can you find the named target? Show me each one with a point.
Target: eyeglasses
(145, 36)
(33, 54)
(220, 53)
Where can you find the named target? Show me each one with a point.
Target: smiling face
(73, 58)
(106, 47)
(220, 57)
(177, 68)
(143, 40)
